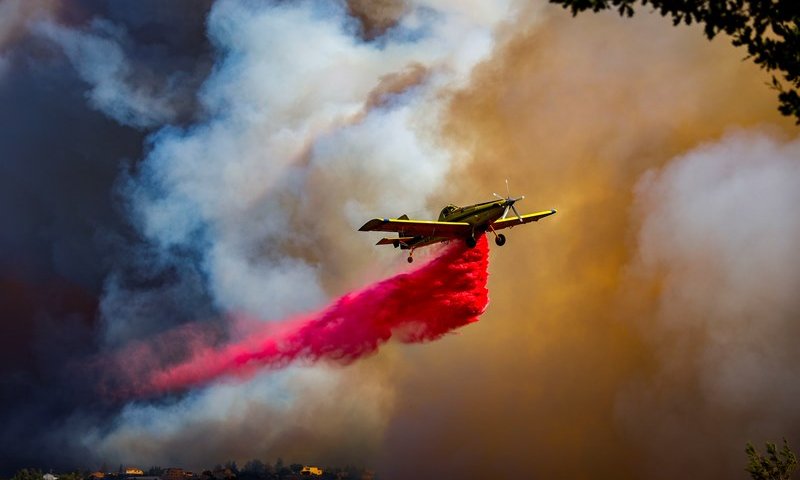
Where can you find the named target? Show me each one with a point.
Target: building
(311, 471)
(133, 472)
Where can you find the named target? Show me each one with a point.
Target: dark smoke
(64, 231)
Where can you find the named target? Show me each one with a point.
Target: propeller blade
(516, 212)
(508, 190)
(498, 196)
(505, 212)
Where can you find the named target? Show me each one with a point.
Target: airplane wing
(417, 227)
(513, 221)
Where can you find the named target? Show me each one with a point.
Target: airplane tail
(397, 242)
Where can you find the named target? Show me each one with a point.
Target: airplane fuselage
(480, 216)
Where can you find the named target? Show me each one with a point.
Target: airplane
(467, 223)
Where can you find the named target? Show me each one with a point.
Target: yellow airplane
(467, 223)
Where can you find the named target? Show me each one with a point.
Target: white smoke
(284, 414)
(288, 98)
(720, 230)
(293, 156)
(99, 58)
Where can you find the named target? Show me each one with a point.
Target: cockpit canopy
(447, 211)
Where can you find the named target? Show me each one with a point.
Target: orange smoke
(574, 112)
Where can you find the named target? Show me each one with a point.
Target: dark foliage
(769, 29)
(774, 465)
(28, 474)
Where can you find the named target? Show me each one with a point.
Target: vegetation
(70, 476)
(774, 465)
(28, 474)
(769, 29)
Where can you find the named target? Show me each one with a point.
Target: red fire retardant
(420, 305)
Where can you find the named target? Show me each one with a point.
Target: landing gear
(410, 259)
(396, 243)
(499, 239)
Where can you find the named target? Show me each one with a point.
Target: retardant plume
(421, 305)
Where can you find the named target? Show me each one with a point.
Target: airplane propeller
(510, 203)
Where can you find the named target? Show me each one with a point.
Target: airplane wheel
(500, 240)
(471, 242)
(410, 259)
(396, 243)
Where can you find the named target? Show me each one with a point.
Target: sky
(169, 167)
